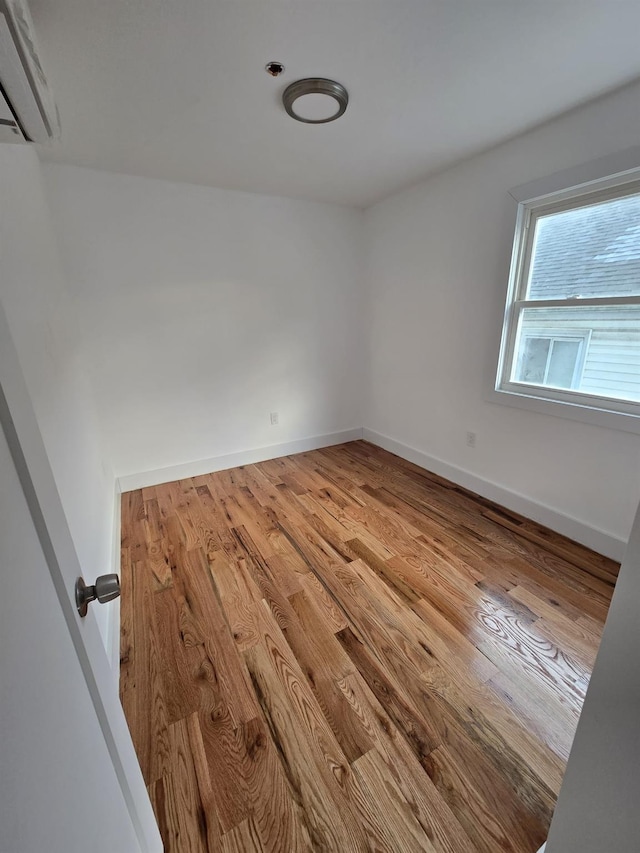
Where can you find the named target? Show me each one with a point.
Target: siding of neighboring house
(612, 360)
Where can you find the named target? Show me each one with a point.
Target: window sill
(572, 411)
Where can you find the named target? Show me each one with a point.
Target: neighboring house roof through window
(583, 252)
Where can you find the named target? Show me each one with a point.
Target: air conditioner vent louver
(27, 109)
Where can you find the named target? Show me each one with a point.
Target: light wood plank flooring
(338, 651)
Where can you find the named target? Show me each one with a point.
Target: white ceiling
(176, 88)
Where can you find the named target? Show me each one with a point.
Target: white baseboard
(599, 540)
(232, 460)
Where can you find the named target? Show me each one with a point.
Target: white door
(69, 779)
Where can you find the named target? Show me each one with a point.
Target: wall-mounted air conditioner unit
(27, 109)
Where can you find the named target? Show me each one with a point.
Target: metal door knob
(106, 588)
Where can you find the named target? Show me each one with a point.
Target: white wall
(41, 319)
(598, 803)
(205, 310)
(438, 261)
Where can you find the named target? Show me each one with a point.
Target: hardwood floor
(339, 651)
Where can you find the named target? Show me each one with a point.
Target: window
(555, 359)
(572, 325)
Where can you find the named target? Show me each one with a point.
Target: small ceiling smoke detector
(315, 100)
(275, 69)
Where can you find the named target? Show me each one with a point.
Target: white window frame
(573, 188)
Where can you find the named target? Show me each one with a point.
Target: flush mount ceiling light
(315, 100)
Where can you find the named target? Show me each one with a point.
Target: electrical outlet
(274, 418)
(471, 439)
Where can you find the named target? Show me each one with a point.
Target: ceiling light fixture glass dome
(315, 100)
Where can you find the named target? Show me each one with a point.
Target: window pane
(532, 362)
(563, 363)
(591, 251)
(598, 346)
